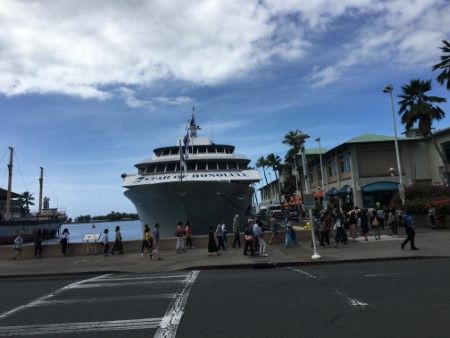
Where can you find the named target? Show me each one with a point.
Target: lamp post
(401, 189)
(303, 137)
(324, 201)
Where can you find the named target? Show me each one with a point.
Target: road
(384, 299)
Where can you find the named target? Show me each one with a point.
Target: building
(363, 171)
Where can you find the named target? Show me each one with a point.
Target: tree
(294, 139)
(262, 163)
(417, 107)
(26, 200)
(274, 161)
(444, 65)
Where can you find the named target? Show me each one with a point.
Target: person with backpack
(105, 242)
(352, 223)
(374, 222)
(325, 228)
(248, 237)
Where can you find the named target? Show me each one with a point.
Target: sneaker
(142, 255)
(414, 248)
(402, 246)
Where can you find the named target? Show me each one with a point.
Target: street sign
(308, 201)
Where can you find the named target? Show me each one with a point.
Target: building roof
(315, 151)
(366, 138)
(3, 193)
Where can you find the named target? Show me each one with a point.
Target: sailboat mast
(8, 194)
(41, 184)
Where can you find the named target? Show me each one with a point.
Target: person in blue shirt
(408, 220)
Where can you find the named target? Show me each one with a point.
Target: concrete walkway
(431, 244)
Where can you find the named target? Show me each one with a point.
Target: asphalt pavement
(377, 299)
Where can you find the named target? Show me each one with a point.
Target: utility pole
(41, 185)
(8, 193)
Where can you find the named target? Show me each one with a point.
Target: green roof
(313, 151)
(365, 138)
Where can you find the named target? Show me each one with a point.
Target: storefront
(379, 194)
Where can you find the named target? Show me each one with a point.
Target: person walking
(236, 231)
(155, 252)
(219, 234)
(352, 223)
(179, 235)
(262, 243)
(380, 216)
(392, 221)
(146, 242)
(364, 223)
(273, 228)
(188, 230)
(118, 242)
(375, 224)
(254, 227)
(38, 244)
(325, 228)
(340, 231)
(18, 246)
(432, 217)
(248, 237)
(105, 242)
(289, 238)
(409, 232)
(64, 241)
(212, 246)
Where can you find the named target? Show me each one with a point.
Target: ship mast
(8, 194)
(41, 184)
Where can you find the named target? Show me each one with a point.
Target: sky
(89, 88)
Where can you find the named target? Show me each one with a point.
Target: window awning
(332, 192)
(345, 189)
(380, 186)
(318, 194)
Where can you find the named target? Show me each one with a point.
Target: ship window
(201, 165)
(170, 167)
(222, 165)
(212, 165)
(219, 149)
(202, 150)
(160, 168)
(232, 165)
(191, 165)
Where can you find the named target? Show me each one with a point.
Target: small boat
(14, 218)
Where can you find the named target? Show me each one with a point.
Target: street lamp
(324, 201)
(302, 138)
(388, 89)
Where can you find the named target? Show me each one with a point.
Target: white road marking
(309, 275)
(43, 298)
(118, 284)
(103, 299)
(47, 329)
(117, 279)
(351, 301)
(171, 320)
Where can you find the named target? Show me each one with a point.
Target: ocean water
(130, 230)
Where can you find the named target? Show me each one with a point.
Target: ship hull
(10, 229)
(204, 204)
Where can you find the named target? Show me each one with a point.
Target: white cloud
(85, 48)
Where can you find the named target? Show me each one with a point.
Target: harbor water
(130, 230)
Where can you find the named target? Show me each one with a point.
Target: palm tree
(295, 140)
(417, 107)
(262, 163)
(444, 65)
(274, 161)
(25, 201)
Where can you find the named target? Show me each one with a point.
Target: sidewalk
(431, 244)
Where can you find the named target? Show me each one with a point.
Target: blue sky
(88, 89)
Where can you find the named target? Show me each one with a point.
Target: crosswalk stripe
(114, 278)
(118, 284)
(104, 299)
(46, 329)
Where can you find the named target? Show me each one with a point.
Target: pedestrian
(364, 223)
(352, 223)
(225, 231)
(393, 222)
(38, 244)
(432, 217)
(64, 241)
(408, 221)
(145, 247)
(18, 245)
(236, 231)
(375, 224)
(262, 243)
(105, 242)
(289, 238)
(118, 242)
(325, 228)
(380, 216)
(341, 236)
(273, 228)
(219, 234)
(179, 235)
(248, 237)
(188, 231)
(155, 252)
(212, 246)
(254, 227)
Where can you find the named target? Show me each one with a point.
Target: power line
(20, 171)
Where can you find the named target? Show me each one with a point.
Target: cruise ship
(195, 180)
